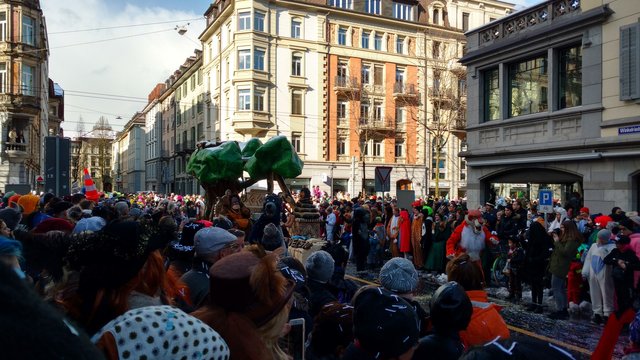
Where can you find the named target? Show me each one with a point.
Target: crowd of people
(150, 276)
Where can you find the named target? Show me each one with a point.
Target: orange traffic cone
(90, 188)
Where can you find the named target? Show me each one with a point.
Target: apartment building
(129, 154)
(24, 92)
(555, 104)
(56, 109)
(347, 83)
(153, 138)
(94, 151)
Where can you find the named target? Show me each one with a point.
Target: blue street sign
(545, 201)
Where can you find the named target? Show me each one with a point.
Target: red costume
(405, 232)
(470, 237)
(574, 282)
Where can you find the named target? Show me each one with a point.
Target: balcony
(441, 94)
(165, 154)
(458, 127)
(375, 125)
(251, 123)
(16, 150)
(189, 146)
(22, 103)
(179, 148)
(346, 85)
(403, 90)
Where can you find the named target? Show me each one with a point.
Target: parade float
(220, 167)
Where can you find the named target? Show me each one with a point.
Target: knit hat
(604, 234)
(584, 210)
(250, 284)
(11, 217)
(332, 329)
(272, 238)
(51, 224)
(222, 222)
(113, 256)
(602, 220)
(14, 200)
(319, 266)
(60, 207)
(162, 332)
(450, 308)
(189, 231)
(7, 195)
(208, 241)
(383, 323)
(29, 203)
(92, 224)
(399, 275)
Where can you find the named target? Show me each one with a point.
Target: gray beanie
(11, 217)
(272, 238)
(399, 275)
(319, 266)
(604, 234)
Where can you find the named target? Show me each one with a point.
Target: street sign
(39, 179)
(545, 201)
(383, 178)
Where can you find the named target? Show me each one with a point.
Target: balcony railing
(444, 94)
(374, 124)
(543, 13)
(404, 89)
(179, 148)
(346, 83)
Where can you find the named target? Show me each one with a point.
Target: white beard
(472, 243)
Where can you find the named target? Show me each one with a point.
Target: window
(244, 60)
(570, 77)
(27, 80)
(378, 73)
(491, 101)
(377, 42)
(399, 75)
(399, 149)
(373, 7)
(199, 76)
(436, 16)
(258, 21)
(184, 89)
(630, 62)
(342, 111)
(400, 44)
(342, 36)
(296, 142)
(258, 59)
(244, 99)
(377, 148)
(465, 21)
(528, 85)
(365, 39)
(435, 50)
(342, 71)
(296, 102)
(343, 4)
(341, 147)
(377, 111)
(365, 148)
(3, 78)
(402, 11)
(366, 74)
(462, 87)
(364, 112)
(244, 20)
(193, 82)
(28, 30)
(258, 99)
(436, 82)
(3, 26)
(200, 131)
(399, 115)
(296, 65)
(296, 26)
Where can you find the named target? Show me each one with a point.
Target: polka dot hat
(162, 332)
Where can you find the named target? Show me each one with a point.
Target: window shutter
(630, 62)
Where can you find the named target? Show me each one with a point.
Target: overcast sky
(110, 72)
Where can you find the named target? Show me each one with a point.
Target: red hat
(584, 210)
(51, 224)
(602, 220)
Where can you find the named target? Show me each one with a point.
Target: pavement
(578, 335)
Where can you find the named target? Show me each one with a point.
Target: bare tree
(443, 114)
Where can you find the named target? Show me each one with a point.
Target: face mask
(20, 273)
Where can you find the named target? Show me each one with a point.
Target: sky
(110, 72)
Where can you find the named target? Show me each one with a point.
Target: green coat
(563, 253)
